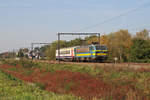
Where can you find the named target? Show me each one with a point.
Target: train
(94, 53)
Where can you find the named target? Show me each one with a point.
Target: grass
(23, 62)
(68, 86)
(137, 82)
(14, 89)
(73, 68)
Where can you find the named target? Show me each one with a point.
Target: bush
(41, 86)
(24, 63)
(27, 63)
(11, 89)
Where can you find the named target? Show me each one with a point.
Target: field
(27, 80)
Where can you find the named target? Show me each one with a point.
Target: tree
(94, 38)
(20, 53)
(144, 34)
(75, 42)
(119, 44)
(91, 39)
(104, 40)
(51, 50)
(140, 50)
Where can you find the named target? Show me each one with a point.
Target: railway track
(121, 65)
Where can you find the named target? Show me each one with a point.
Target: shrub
(27, 63)
(11, 89)
(41, 86)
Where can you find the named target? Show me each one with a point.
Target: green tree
(140, 50)
(75, 42)
(119, 44)
(51, 50)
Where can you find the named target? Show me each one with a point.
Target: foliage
(75, 42)
(94, 38)
(119, 45)
(27, 63)
(135, 81)
(41, 85)
(144, 34)
(51, 50)
(121, 83)
(14, 89)
(140, 50)
(22, 53)
(23, 62)
(7, 55)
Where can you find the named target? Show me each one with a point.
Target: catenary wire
(115, 17)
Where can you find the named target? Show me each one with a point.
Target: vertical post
(31, 46)
(13, 54)
(99, 39)
(115, 59)
(58, 47)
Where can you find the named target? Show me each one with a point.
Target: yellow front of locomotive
(100, 52)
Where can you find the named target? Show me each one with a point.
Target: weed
(27, 64)
(41, 85)
(28, 72)
(17, 90)
(68, 86)
(90, 82)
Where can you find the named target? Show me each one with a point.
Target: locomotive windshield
(101, 48)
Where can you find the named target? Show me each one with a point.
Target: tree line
(121, 44)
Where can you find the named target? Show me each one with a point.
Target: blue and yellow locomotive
(91, 53)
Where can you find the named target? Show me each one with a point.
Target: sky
(25, 21)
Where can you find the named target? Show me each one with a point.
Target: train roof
(68, 47)
(81, 46)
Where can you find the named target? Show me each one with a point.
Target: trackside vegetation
(12, 88)
(100, 83)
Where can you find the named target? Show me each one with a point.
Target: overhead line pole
(58, 47)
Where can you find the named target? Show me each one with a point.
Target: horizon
(27, 21)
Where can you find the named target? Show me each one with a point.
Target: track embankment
(90, 81)
(121, 65)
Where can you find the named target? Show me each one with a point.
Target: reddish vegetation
(76, 83)
(143, 70)
(82, 85)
